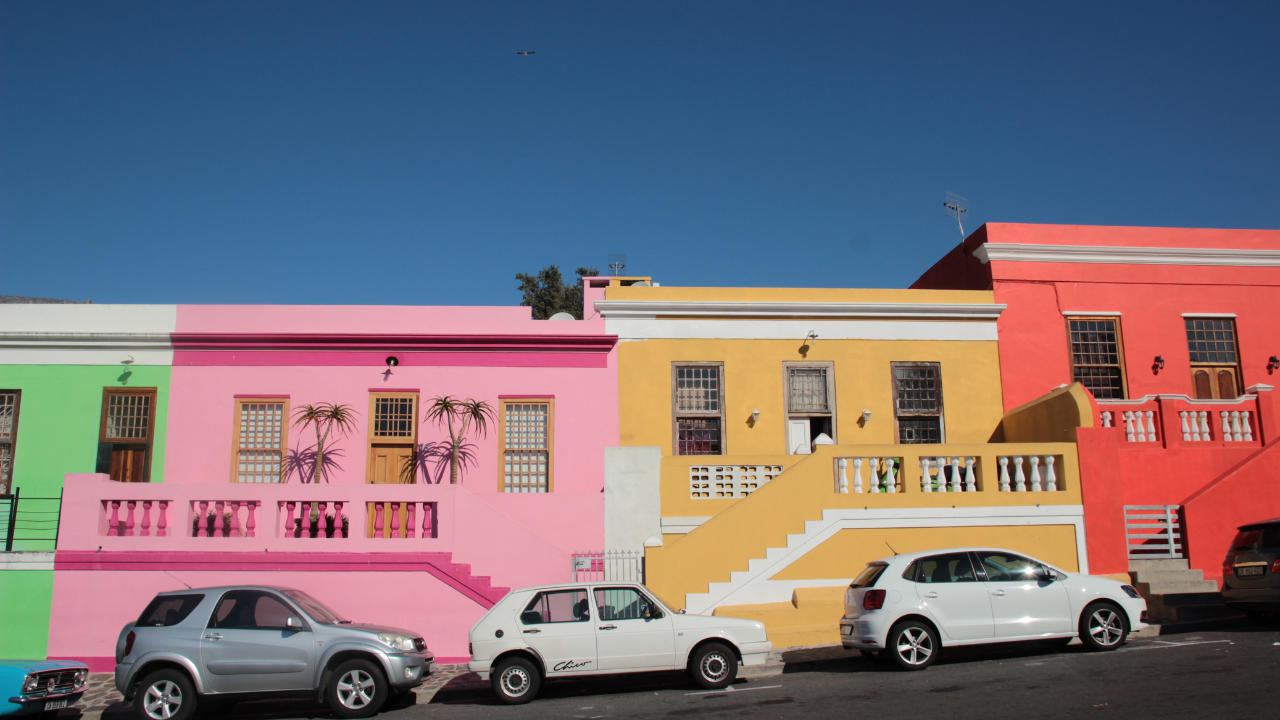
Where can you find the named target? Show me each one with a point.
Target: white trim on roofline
(1208, 315)
(628, 329)
(649, 309)
(71, 348)
(1025, 252)
(1091, 313)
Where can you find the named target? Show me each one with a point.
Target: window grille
(919, 431)
(8, 422)
(1095, 357)
(698, 436)
(698, 399)
(808, 390)
(261, 442)
(6, 467)
(128, 417)
(1211, 341)
(698, 389)
(917, 406)
(526, 447)
(8, 407)
(393, 417)
(917, 390)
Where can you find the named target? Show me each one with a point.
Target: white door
(557, 624)
(632, 633)
(951, 592)
(798, 437)
(1023, 601)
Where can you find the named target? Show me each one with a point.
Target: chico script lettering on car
(570, 665)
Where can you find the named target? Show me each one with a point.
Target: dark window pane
(1211, 341)
(167, 610)
(1103, 382)
(1003, 567)
(557, 607)
(917, 389)
(1095, 357)
(621, 604)
(919, 431)
(698, 389)
(947, 569)
(698, 436)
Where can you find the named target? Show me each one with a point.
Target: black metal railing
(30, 523)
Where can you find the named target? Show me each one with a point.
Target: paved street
(1224, 674)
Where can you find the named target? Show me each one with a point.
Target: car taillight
(1275, 566)
(873, 600)
(469, 650)
(128, 644)
(1227, 567)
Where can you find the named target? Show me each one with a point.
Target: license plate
(1246, 571)
(55, 704)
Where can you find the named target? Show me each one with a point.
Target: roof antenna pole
(617, 263)
(895, 552)
(955, 207)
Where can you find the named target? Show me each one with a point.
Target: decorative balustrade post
(289, 527)
(1106, 418)
(1051, 480)
(857, 475)
(1226, 426)
(969, 485)
(377, 523)
(201, 529)
(428, 520)
(217, 518)
(409, 522)
(1128, 426)
(1204, 425)
(955, 474)
(395, 520)
(890, 481)
(1235, 426)
(1151, 426)
(128, 520)
(1019, 480)
(927, 485)
(1141, 430)
(163, 523)
(1186, 431)
(146, 518)
(1035, 473)
(1004, 474)
(249, 524)
(842, 478)
(1248, 431)
(337, 520)
(113, 521)
(234, 529)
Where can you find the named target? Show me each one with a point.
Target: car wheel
(515, 681)
(913, 645)
(356, 689)
(713, 666)
(165, 695)
(1103, 627)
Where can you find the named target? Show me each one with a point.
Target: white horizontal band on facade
(67, 348)
(106, 319)
(1208, 315)
(1024, 252)
(649, 309)
(717, 329)
(26, 560)
(1091, 313)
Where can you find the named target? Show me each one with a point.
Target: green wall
(58, 425)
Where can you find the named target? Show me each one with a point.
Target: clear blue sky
(403, 153)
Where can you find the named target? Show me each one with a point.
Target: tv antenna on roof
(956, 207)
(617, 263)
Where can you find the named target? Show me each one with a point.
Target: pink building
(385, 536)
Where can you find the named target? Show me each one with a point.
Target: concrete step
(1166, 588)
(1166, 564)
(1197, 599)
(1154, 576)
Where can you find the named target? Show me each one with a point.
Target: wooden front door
(390, 464)
(1215, 383)
(129, 463)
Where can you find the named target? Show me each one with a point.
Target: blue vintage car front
(29, 687)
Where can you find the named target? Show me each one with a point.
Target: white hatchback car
(558, 631)
(905, 608)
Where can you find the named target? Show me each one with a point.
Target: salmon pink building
(394, 530)
(1174, 333)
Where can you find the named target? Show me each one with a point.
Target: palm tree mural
(459, 416)
(326, 417)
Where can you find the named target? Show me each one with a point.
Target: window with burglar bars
(917, 406)
(393, 417)
(1096, 356)
(698, 399)
(808, 390)
(526, 446)
(260, 440)
(128, 417)
(8, 433)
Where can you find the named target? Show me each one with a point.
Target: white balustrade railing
(881, 474)
(1140, 426)
(1031, 473)
(1106, 418)
(948, 474)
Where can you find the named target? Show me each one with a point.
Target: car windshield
(316, 609)
(868, 576)
(1257, 538)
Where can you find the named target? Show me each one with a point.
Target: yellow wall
(1052, 418)
(753, 379)
(848, 551)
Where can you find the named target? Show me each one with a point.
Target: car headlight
(82, 677)
(399, 642)
(1130, 591)
(30, 684)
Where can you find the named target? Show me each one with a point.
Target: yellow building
(776, 440)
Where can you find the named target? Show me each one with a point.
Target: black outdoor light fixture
(392, 361)
(1272, 364)
(1158, 365)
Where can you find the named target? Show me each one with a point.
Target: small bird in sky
(523, 52)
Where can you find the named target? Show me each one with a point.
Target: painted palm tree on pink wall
(458, 416)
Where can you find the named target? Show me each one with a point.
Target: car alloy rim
(163, 699)
(515, 681)
(1105, 627)
(356, 689)
(915, 646)
(715, 667)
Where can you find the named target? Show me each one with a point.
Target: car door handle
(213, 636)
(533, 630)
(998, 593)
(608, 627)
(931, 594)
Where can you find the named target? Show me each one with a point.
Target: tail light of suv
(1275, 566)
(873, 599)
(128, 646)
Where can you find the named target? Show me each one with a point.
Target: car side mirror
(653, 612)
(1047, 574)
(293, 623)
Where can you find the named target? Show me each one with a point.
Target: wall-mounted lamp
(755, 416)
(392, 361)
(866, 417)
(811, 338)
(1272, 364)
(1158, 365)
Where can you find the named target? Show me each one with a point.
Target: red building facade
(1175, 332)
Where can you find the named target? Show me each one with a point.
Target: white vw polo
(557, 631)
(905, 608)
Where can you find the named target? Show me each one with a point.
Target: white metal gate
(1153, 532)
(608, 566)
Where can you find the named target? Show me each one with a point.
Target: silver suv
(209, 647)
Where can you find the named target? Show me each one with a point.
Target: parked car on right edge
(1251, 571)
